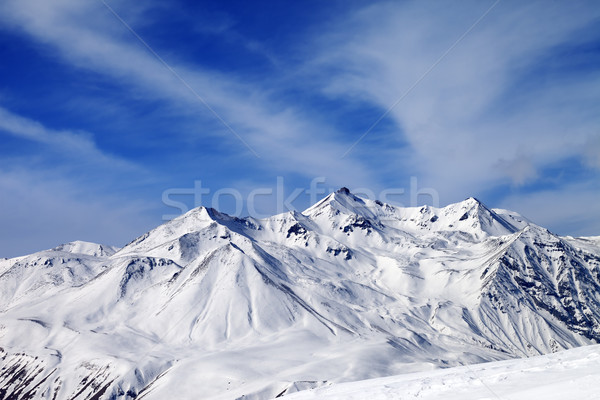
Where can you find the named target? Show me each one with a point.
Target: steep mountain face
(211, 306)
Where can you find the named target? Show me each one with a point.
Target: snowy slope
(349, 289)
(569, 374)
(49, 271)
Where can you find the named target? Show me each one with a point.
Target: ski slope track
(208, 306)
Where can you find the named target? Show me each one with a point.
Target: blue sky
(498, 100)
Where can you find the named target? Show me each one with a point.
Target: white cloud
(39, 211)
(467, 127)
(471, 123)
(88, 36)
(591, 149)
(75, 144)
(573, 209)
(54, 197)
(520, 169)
(44, 210)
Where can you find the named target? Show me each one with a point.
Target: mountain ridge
(348, 289)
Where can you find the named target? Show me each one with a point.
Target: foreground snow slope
(569, 374)
(216, 307)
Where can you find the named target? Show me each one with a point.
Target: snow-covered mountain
(216, 307)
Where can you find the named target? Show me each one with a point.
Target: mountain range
(212, 306)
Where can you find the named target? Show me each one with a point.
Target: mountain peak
(471, 203)
(87, 248)
(342, 200)
(472, 200)
(473, 213)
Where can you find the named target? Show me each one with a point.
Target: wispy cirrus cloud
(71, 201)
(77, 144)
(54, 196)
(282, 135)
(509, 100)
(39, 210)
(578, 214)
(517, 97)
